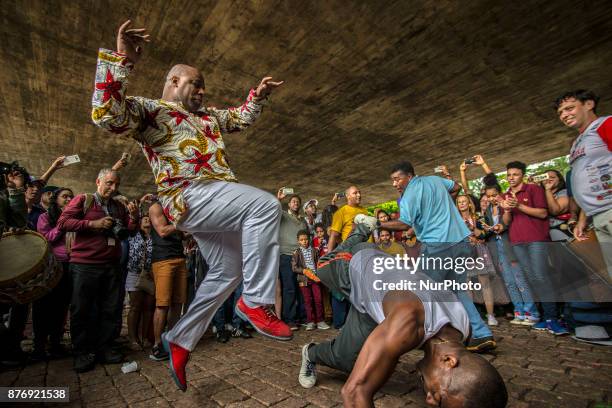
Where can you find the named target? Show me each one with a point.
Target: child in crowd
(319, 242)
(389, 246)
(304, 264)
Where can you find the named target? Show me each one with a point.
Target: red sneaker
(264, 321)
(178, 360)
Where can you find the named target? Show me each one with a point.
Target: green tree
(560, 163)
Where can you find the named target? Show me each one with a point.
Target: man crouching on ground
(382, 325)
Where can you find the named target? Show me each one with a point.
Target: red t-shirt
(525, 228)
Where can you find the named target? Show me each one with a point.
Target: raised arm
(479, 160)
(556, 206)
(56, 165)
(400, 332)
(464, 182)
(112, 109)
(241, 117)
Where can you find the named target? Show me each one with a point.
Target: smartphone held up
(74, 159)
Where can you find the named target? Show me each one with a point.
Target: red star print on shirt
(179, 116)
(210, 134)
(151, 155)
(201, 160)
(110, 87)
(171, 180)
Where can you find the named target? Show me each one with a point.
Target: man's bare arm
(334, 240)
(159, 221)
(395, 225)
(401, 332)
(56, 165)
(454, 192)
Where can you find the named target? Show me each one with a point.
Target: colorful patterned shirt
(181, 147)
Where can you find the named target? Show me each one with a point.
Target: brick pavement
(540, 371)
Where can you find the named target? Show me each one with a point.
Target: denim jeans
(289, 290)
(228, 309)
(533, 257)
(340, 310)
(516, 283)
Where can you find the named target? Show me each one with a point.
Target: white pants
(603, 229)
(236, 227)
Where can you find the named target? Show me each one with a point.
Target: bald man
(236, 226)
(342, 223)
(395, 310)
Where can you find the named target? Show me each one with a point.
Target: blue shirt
(427, 206)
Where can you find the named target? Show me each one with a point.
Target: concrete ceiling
(367, 83)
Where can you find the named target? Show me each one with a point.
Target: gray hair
(106, 171)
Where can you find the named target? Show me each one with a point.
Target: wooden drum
(28, 269)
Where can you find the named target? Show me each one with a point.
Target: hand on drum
(102, 223)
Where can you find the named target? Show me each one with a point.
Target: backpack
(71, 235)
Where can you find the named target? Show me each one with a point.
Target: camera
(118, 230)
(8, 168)
(341, 195)
(470, 161)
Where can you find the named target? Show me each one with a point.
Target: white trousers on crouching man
(236, 227)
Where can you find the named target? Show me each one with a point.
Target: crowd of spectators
(112, 249)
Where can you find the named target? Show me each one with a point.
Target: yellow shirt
(393, 249)
(343, 219)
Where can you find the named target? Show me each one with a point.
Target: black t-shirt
(166, 248)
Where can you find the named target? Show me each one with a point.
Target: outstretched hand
(266, 86)
(130, 41)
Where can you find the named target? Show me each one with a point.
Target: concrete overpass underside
(367, 83)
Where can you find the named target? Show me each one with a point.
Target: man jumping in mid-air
(236, 226)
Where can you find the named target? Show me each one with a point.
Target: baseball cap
(311, 201)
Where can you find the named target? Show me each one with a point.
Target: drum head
(20, 254)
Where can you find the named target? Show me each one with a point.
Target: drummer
(13, 215)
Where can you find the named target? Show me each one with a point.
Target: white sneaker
(323, 326)
(310, 326)
(308, 373)
(491, 320)
(370, 222)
